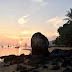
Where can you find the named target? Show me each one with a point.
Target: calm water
(17, 51)
(4, 51)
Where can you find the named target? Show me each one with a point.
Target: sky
(20, 19)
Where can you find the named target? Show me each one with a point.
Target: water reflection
(23, 50)
(19, 50)
(12, 50)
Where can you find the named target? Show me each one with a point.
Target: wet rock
(35, 71)
(20, 68)
(54, 63)
(6, 56)
(64, 65)
(3, 57)
(60, 55)
(5, 65)
(37, 66)
(39, 44)
(66, 62)
(56, 53)
(56, 67)
(67, 70)
(38, 59)
(10, 58)
(14, 59)
(70, 52)
(24, 69)
(45, 66)
(11, 63)
(22, 55)
(18, 61)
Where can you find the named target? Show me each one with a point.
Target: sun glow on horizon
(19, 50)
(20, 42)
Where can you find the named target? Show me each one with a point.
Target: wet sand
(63, 48)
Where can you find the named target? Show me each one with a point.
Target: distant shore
(63, 48)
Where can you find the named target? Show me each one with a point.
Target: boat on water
(2, 46)
(8, 45)
(17, 47)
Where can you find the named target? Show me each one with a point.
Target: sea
(5, 50)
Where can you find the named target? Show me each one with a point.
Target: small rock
(66, 63)
(56, 67)
(54, 63)
(22, 55)
(34, 71)
(20, 68)
(23, 70)
(5, 65)
(45, 66)
(11, 63)
(67, 70)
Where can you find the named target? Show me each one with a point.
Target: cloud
(52, 38)
(15, 37)
(38, 0)
(26, 32)
(23, 19)
(56, 21)
(9, 36)
(42, 2)
(51, 34)
(26, 16)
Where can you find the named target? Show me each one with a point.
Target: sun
(21, 21)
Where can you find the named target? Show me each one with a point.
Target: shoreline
(50, 50)
(58, 61)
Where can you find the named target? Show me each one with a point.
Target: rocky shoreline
(57, 61)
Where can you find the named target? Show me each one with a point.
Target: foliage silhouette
(65, 32)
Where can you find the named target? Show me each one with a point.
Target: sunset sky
(20, 19)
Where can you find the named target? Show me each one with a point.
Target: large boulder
(39, 44)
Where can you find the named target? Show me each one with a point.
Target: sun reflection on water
(19, 50)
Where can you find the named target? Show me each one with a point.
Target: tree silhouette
(65, 32)
(69, 15)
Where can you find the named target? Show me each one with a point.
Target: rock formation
(39, 44)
